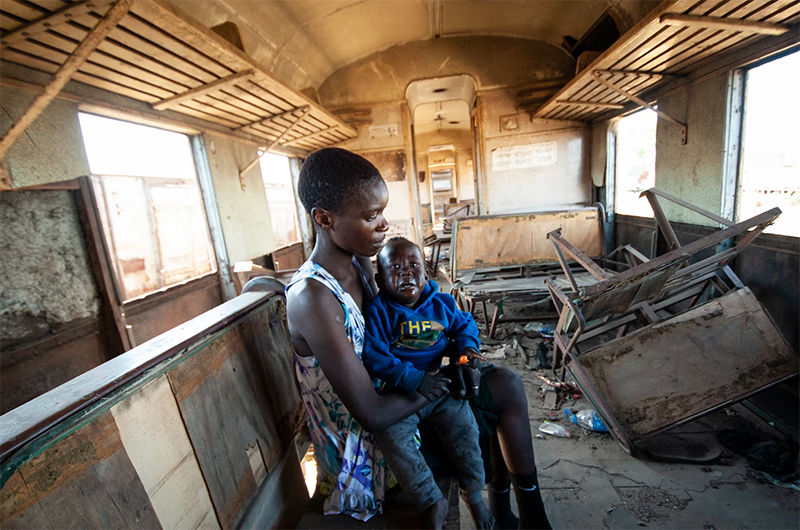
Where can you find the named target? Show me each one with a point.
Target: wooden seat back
(494, 241)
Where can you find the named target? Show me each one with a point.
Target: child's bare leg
(483, 518)
(514, 434)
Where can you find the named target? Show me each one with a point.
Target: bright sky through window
(120, 148)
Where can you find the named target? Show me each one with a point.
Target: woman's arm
(316, 325)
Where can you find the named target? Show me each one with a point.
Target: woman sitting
(345, 196)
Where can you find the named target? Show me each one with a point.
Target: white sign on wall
(524, 156)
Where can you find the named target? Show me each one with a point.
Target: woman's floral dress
(351, 469)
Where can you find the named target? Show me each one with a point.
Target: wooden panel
(501, 241)
(288, 258)
(163, 311)
(224, 431)
(84, 480)
(661, 374)
(32, 370)
(185, 445)
(170, 475)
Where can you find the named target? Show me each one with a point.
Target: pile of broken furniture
(652, 343)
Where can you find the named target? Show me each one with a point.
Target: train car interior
(611, 188)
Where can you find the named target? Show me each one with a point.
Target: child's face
(360, 227)
(403, 274)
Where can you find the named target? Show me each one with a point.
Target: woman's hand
(433, 386)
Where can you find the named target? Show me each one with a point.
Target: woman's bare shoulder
(308, 300)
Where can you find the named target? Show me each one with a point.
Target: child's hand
(472, 356)
(433, 386)
(466, 376)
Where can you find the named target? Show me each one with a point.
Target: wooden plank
(223, 430)
(52, 20)
(113, 316)
(682, 367)
(501, 241)
(762, 28)
(204, 89)
(62, 77)
(170, 475)
(22, 10)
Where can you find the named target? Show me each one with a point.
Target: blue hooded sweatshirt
(401, 344)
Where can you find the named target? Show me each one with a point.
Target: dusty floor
(589, 482)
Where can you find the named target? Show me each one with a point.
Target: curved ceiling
(303, 42)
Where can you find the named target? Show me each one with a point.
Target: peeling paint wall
(244, 213)
(492, 61)
(694, 171)
(51, 150)
(46, 278)
(565, 183)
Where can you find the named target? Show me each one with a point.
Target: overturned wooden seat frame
(507, 268)
(641, 291)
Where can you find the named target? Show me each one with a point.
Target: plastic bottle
(588, 419)
(554, 429)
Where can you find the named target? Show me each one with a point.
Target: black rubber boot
(500, 506)
(529, 502)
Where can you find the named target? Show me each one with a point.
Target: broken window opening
(277, 178)
(635, 162)
(150, 206)
(769, 174)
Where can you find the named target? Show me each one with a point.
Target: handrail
(25, 422)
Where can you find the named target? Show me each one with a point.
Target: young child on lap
(409, 328)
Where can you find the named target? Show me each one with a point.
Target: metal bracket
(298, 119)
(598, 75)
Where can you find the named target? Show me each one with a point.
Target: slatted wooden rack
(159, 54)
(672, 40)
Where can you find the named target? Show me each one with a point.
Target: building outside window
(280, 197)
(770, 159)
(635, 163)
(150, 204)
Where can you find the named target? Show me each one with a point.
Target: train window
(770, 159)
(280, 197)
(150, 206)
(636, 163)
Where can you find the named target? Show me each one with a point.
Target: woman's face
(360, 227)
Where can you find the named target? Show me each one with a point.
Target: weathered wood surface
(186, 444)
(521, 239)
(159, 53)
(84, 480)
(534, 284)
(156, 442)
(682, 367)
(220, 407)
(652, 48)
(35, 416)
